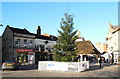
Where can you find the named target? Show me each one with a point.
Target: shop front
(25, 56)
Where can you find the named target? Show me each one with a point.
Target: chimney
(78, 33)
(38, 30)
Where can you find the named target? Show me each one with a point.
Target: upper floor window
(30, 42)
(25, 42)
(17, 42)
(40, 47)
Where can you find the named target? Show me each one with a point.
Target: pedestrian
(100, 62)
(107, 62)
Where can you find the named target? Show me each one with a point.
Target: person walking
(107, 62)
(100, 62)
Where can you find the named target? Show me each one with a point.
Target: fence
(63, 66)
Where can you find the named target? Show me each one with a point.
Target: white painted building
(43, 47)
(47, 44)
(113, 40)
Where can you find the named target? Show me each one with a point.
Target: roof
(115, 26)
(45, 34)
(86, 47)
(51, 38)
(21, 31)
(25, 31)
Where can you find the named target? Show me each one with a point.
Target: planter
(63, 66)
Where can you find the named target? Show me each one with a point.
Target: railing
(63, 66)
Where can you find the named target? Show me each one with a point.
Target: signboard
(57, 66)
(31, 58)
(24, 50)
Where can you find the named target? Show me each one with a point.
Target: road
(94, 71)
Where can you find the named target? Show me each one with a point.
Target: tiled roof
(116, 26)
(46, 37)
(21, 31)
(86, 47)
(25, 31)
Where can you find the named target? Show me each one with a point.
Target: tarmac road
(94, 71)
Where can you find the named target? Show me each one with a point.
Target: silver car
(9, 64)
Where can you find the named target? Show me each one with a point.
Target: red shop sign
(24, 50)
(30, 54)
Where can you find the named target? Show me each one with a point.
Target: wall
(118, 40)
(22, 42)
(113, 41)
(42, 42)
(102, 47)
(27, 46)
(7, 43)
(0, 52)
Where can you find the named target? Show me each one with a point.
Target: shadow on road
(94, 67)
(97, 67)
(27, 67)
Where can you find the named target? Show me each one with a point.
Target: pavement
(93, 71)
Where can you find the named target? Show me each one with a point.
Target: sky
(91, 18)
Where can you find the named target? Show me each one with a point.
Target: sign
(24, 50)
(30, 54)
(31, 58)
(57, 66)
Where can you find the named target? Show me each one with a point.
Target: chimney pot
(38, 30)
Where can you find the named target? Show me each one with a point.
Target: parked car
(9, 64)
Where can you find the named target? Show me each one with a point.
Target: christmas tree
(65, 50)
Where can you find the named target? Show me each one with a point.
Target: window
(17, 42)
(30, 43)
(25, 42)
(42, 47)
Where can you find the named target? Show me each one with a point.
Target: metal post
(81, 57)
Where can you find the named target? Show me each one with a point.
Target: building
(44, 46)
(101, 47)
(87, 51)
(18, 44)
(26, 47)
(114, 42)
(0, 51)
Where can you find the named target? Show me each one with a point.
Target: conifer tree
(65, 48)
